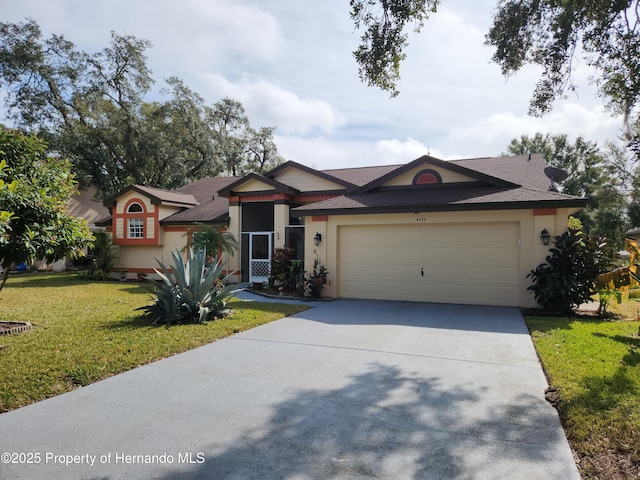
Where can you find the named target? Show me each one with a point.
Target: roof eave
(577, 203)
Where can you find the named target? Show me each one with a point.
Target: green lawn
(86, 331)
(595, 365)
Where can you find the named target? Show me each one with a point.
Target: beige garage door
(448, 263)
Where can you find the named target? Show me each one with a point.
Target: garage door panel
(492, 254)
(405, 272)
(500, 295)
(449, 237)
(403, 288)
(460, 263)
(503, 275)
(400, 255)
(361, 270)
(402, 237)
(445, 273)
(443, 256)
(364, 253)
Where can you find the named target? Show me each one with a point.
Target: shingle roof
(501, 183)
(525, 170)
(211, 208)
(440, 199)
(361, 175)
(157, 196)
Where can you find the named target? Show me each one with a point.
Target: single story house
(462, 231)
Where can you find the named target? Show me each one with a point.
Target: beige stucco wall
(253, 185)
(235, 223)
(447, 176)
(305, 181)
(143, 257)
(532, 251)
(280, 220)
(122, 202)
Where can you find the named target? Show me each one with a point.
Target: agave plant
(189, 292)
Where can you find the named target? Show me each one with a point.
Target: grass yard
(595, 365)
(86, 331)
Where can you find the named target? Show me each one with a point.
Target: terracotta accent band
(544, 211)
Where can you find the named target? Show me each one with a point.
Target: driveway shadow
(385, 423)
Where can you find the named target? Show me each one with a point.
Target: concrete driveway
(348, 389)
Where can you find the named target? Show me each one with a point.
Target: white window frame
(135, 227)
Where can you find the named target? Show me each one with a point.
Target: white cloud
(491, 135)
(290, 65)
(268, 104)
(397, 151)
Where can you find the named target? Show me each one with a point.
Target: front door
(259, 256)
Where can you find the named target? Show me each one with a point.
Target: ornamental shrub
(188, 292)
(568, 276)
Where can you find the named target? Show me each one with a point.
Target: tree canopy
(93, 109)
(605, 176)
(548, 33)
(35, 190)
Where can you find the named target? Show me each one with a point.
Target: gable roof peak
(157, 196)
(445, 164)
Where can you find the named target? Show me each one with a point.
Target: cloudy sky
(289, 62)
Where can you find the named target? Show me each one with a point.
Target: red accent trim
(426, 177)
(319, 218)
(174, 228)
(544, 211)
(145, 214)
(258, 198)
(312, 198)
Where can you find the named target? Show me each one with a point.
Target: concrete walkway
(348, 389)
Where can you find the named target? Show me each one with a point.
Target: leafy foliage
(189, 292)
(92, 109)
(317, 279)
(281, 265)
(549, 33)
(568, 277)
(35, 190)
(604, 176)
(104, 257)
(384, 39)
(211, 240)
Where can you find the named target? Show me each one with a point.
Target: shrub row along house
(463, 231)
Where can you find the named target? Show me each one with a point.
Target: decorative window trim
(427, 177)
(136, 209)
(131, 208)
(135, 228)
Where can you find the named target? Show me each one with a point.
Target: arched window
(135, 224)
(427, 177)
(135, 208)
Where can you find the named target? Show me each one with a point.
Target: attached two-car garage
(468, 263)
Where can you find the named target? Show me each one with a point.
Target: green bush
(188, 292)
(316, 281)
(280, 266)
(568, 277)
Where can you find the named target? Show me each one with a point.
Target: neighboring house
(463, 231)
(82, 205)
